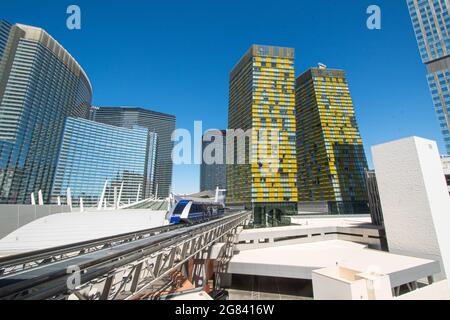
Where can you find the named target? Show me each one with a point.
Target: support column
(200, 269)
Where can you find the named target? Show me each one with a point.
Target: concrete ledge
(275, 237)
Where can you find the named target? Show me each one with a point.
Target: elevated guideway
(150, 204)
(119, 267)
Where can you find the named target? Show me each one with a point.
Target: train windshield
(180, 207)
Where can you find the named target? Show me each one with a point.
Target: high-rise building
(330, 153)
(431, 23)
(213, 171)
(41, 85)
(93, 154)
(160, 123)
(261, 158)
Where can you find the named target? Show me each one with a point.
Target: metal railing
(28, 260)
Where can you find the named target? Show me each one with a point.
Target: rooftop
(135, 108)
(299, 260)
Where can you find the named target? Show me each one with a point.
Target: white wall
(414, 198)
(13, 216)
(337, 283)
(327, 288)
(378, 287)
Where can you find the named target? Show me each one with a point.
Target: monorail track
(45, 274)
(29, 260)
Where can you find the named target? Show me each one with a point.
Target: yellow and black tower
(330, 154)
(261, 155)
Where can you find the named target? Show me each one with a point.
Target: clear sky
(175, 57)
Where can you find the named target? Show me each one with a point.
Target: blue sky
(175, 57)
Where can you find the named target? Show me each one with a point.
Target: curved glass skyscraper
(93, 153)
(41, 85)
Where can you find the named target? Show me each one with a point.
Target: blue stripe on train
(175, 219)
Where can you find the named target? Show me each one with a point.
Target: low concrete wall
(275, 237)
(13, 216)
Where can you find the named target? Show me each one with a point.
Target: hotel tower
(330, 153)
(261, 155)
(41, 85)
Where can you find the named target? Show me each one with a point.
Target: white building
(337, 254)
(332, 253)
(414, 198)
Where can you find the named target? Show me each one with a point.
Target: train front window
(180, 207)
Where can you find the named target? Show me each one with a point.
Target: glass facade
(213, 175)
(439, 83)
(41, 85)
(262, 99)
(5, 28)
(160, 123)
(331, 158)
(93, 153)
(431, 23)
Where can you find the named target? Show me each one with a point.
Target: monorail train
(189, 211)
